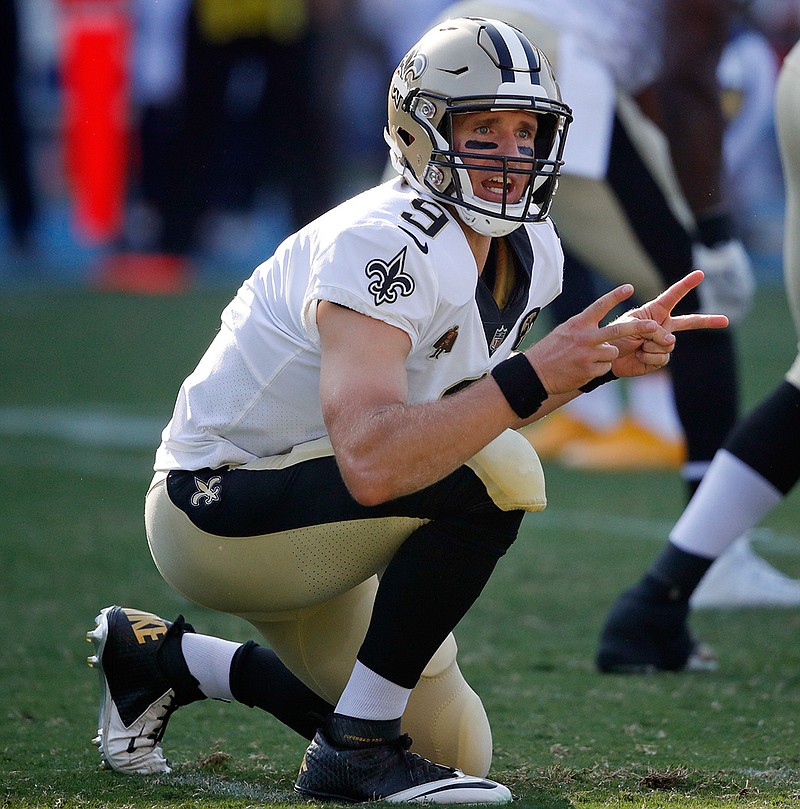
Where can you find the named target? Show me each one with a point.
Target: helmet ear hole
(405, 136)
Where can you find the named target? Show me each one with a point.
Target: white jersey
(388, 253)
(623, 35)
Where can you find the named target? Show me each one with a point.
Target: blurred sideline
(181, 141)
(137, 48)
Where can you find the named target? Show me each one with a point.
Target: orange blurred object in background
(96, 37)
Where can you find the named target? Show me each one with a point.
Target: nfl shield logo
(498, 338)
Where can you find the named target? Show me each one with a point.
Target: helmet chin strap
(484, 224)
(395, 155)
(483, 221)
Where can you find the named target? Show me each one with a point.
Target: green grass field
(88, 380)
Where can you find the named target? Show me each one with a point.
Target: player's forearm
(399, 449)
(695, 34)
(696, 144)
(551, 403)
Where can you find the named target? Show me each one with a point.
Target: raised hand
(636, 343)
(639, 356)
(660, 308)
(580, 349)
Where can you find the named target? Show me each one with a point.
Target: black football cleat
(378, 769)
(136, 699)
(644, 636)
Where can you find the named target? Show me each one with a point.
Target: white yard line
(85, 426)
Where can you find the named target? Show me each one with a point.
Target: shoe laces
(169, 707)
(419, 765)
(404, 741)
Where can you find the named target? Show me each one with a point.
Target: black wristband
(608, 376)
(715, 228)
(520, 384)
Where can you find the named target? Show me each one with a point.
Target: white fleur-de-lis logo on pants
(210, 492)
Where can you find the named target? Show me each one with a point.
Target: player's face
(496, 133)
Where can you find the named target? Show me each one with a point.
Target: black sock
(704, 371)
(173, 665)
(429, 585)
(768, 438)
(259, 679)
(351, 732)
(675, 574)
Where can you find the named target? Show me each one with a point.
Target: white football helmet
(471, 64)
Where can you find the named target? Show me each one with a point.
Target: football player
(757, 466)
(645, 202)
(343, 468)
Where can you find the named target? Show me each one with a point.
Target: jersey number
(428, 218)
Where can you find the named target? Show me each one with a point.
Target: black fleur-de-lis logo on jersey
(389, 279)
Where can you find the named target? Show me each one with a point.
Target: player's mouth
(499, 187)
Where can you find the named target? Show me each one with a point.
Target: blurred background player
(16, 180)
(757, 466)
(213, 128)
(647, 201)
(643, 192)
(635, 426)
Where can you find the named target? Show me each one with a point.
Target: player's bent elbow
(368, 486)
(369, 499)
(368, 492)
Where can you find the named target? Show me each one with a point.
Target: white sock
(731, 499)
(367, 695)
(601, 409)
(652, 404)
(209, 661)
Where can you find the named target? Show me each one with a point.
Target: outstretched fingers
(698, 321)
(661, 307)
(673, 294)
(597, 310)
(643, 328)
